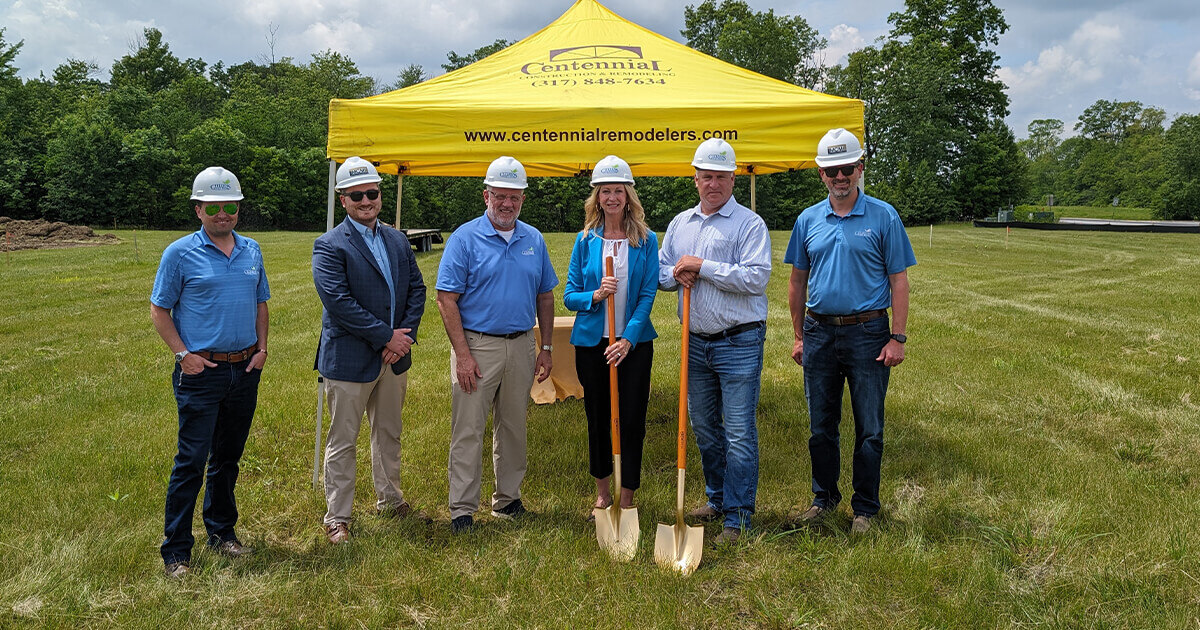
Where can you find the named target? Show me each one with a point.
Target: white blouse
(619, 250)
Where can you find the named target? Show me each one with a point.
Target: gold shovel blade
(679, 547)
(617, 531)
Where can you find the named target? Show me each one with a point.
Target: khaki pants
(507, 367)
(382, 399)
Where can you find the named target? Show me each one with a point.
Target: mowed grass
(1090, 212)
(1041, 469)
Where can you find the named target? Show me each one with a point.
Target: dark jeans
(724, 377)
(633, 394)
(215, 409)
(834, 356)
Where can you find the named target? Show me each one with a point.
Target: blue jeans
(723, 386)
(833, 356)
(215, 409)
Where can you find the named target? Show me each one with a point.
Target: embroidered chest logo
(864, 233)
(528, 251)
(252, 271)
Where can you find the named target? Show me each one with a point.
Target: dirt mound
(42, 234)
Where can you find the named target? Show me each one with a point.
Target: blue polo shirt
(849, 258)
(498, 281)
(213, 298)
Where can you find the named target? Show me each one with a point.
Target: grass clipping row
(42, 234)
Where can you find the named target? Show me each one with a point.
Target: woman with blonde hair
(614, 226)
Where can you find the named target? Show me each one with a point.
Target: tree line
(122, 152)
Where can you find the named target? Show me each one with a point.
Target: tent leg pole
(399, 196)
(329, 199)
(753, 193)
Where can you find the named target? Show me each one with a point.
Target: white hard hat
(506, 172)
(356, 171)
(838, 147)
(612, 170)
(216, 184)
(715, 154)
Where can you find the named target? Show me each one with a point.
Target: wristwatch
(901, 337)
(179, 355)
(547, 348)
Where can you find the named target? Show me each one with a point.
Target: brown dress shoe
(813, 514)
(705, 513)
(177, 570)
(404, 510)
(728, 536)
(233, 549)
(337, 533)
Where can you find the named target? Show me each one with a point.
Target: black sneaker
(510, 511)
(462, 524)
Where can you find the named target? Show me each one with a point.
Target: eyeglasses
(229, 208)
(845, 169)
(357, 195)
(506, 198)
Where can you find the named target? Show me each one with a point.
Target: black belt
(512, 335)
(728, 332)
(846, 320)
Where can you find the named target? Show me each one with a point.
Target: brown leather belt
(846, 320)
(228, 357)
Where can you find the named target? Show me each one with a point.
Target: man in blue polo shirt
(209, 304)
(495, 275)
(850, 256)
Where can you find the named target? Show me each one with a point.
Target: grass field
(1091, 212)
(1042, 464)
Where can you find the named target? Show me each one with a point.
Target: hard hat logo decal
(508, 174)
(613, 170)
(835, 149)
(717, 157)
(225, 185)
(361, 170)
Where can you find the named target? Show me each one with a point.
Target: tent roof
(588, 85)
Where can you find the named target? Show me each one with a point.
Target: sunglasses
(229, 208)
(357, 195)
(845, 169)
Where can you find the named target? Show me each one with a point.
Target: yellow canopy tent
(588, 85)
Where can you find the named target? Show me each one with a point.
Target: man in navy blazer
(374, 296)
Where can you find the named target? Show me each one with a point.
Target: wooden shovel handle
(614, 407)
(681, 447)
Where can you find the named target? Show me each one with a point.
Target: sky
(1057, 58)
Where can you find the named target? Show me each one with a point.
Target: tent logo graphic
(596, 52)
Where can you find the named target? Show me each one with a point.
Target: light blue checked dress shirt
(736, 249)
(379, 249)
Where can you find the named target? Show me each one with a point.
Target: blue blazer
(583, 277)
(354, 326)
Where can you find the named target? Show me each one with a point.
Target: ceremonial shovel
(617, 528)
(679, 547)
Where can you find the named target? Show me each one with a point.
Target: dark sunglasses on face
(846, 170)
(357, 195)
(229, 208)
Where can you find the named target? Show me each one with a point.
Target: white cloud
(1194, 70)
(843, 40)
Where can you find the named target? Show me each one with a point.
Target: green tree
(1109, 120)
(454, 61)
(1180, 196)
(412, 74)
(152, 66)
(937, 108)
(779, 46)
